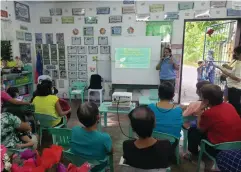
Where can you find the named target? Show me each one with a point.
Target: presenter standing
(167, 67)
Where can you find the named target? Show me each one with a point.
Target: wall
(42, 9)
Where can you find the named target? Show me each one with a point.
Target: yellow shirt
(46, 105)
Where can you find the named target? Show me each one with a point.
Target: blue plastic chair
(171, 138)
(221, 146)
(46, 123)
(97, 165)
(61, 136)
(77, 88)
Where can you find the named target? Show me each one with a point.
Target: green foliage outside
(195, 38)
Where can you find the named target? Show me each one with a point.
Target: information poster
(132, 57)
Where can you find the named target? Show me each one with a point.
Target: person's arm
(24, 126)
(16, 102)
(233, 77)
(175, 65)
(59, 110)
(227, 66)
(158, 66)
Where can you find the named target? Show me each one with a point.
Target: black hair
(142, 121)
(212, 93)
(169, 49)
(13, 91)
(200, 84)
(166, 91)
(237, 52)
(87, 114)
(45, 88)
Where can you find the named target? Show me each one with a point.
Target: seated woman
(48, 104)
(146, 152)
(11, 126)
(218, 123)
(168, 116)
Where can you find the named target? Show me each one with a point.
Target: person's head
(88, 114)
(44, 88)
(211, 95)
(13, 92)
(166, 91)
(199, 85)
(167, 52)
(237, 53)
(200, 62)
(142, 121)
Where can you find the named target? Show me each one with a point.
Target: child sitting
(23, 136)
(87, 141)
(146, 152)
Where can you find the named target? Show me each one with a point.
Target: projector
(121, 98)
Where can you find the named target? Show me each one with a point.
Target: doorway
(201, 37)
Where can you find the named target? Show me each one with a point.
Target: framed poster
(53, 51)
(61, 81)
(83, 74)
(28, 36)
(72, 49)
(185, 5)
(128, 10)
(63, 74)
(82, 58)
(38, 38)
(71, 81)
(115, 19)
(67, 19)
(78, 11)
(104, 49)
(218, 4)
(128, 2)
(72, 66)
(61, 64)
(82, 50)
(20, 35)
(73, 75)
(82, 67)
(76, 40)
(45, 20)
(45, 51)
(232, 12)
(21, 12)
(89, 40)
(22, 27)
(91, 20)
(54, 62)
(25, 52)
(55, 74)
(72, 58)
(46, 72)
(46, 62)
(55, 11)
(49, 38)
(116, 30)
(155, 8)
(171, 16)
(88, 31)
(60, 38)
(93, 49)
(102, 10)
(103, 40)
(61, 53)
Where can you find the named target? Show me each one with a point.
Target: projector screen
(132, 57)
(134, 60)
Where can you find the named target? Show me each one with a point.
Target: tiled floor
(118, 138)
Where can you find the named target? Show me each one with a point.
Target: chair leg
(177, 155)
(130, 131)
(40, 136)
(105, 119)
(88, 95)
(184, 141)
(70, 98)
(100, 97)
(200, 157)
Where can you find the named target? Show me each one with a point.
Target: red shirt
(221, 123)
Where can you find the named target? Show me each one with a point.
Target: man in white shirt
(234, 81)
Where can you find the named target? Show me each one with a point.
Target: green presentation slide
(132, 57)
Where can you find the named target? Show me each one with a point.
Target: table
(144, 100)
(103, 109)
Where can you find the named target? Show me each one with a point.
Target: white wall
(38, 9)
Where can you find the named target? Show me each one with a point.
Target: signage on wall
(115, 19)
(185, 5)
(236, 5)
(4, 13)
(103, 10)
(171, 16)
(218, 4)
(128, 2)
(202, 14)
(45, 20)
(23, 27)
(55, 11)
(21, 12)
(128, 10)
(78, 11)
(28, 36)
(67, 19)
(88, 31)
(91, 20)
(232, 12)
(116, 30)
(155, 8)
(143, 17)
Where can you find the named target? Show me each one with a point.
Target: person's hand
(225, 65)
(171, 60)
(19, 146)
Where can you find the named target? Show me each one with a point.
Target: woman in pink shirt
(6, 98)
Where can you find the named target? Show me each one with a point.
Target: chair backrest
(228, 145)
(78, 85)
(45, 120)
(162, 136)
(61, 136)
(153, 94)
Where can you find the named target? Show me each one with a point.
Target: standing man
(167, 67)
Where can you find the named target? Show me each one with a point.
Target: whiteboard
(143, 76)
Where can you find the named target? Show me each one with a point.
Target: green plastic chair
(61, 136)
(153, 94)
(172, 139)
(185, 131)
(77, 88)
(46, 123)
(221, 146)
(98, 167)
